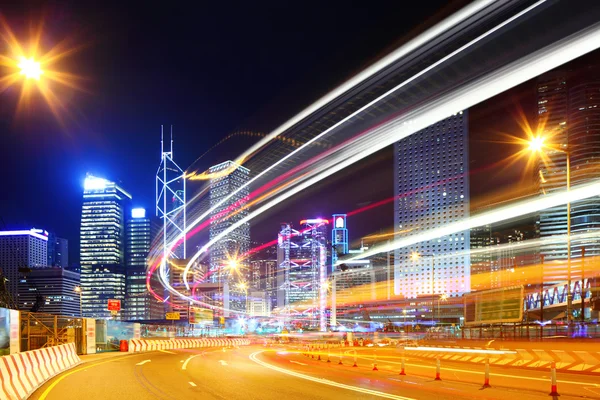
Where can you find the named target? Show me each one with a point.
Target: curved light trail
(462, 98)
(357, 112)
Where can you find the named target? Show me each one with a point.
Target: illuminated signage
(93, 183)
(138, 213)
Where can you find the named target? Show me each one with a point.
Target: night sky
(209, 71)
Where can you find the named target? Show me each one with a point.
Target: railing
(39, 330)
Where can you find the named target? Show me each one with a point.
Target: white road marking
(296, 362)
(223, 362)
(168, 352)
(143, 362)
(192, 384)
(184, 366)
(326, 382)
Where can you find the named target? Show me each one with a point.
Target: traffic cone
(486, 382)
(553, 390)
(437, 370)
(319, 359)
(402, 370)
(375, 367)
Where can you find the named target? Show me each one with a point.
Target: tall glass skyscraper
(225, 256)
(102, 245)
(141, 230)
(431, 185)
(302, 269)
(568, 104)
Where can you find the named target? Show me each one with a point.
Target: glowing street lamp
(77, 289)
(30, 68)
(536, 145)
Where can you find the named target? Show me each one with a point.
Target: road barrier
(486, 380)
(553, 388)
(22, 373)
(564, 360)
(139, 345)
(354, 351)
(375, 360)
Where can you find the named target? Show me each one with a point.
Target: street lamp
(77, 289)
(536, 145)
(30, 68)
(415, 257)
(443, 297)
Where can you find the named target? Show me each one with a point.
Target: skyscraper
(302, 270)
(51, 291)
(141, 230)
(568, 104)
(58, 251)
(102, 245)
(431, 186)
(226, 263)
(171, 210)
(20, 249)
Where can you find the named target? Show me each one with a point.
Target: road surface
(283, 373)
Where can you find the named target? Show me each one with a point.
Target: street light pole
(569, 297)
(536, 145)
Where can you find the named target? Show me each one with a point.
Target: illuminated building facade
(339, 238)
(568, 105)
(225, 265)
(431, 187)
(141, 231)
(171, 210)
(302, 271)
(102, 245)
(58, 288)
(21, 248)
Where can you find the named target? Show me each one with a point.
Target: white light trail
(412, 45)
(463, 98)
(450, 350)
(322, 381)
(354, 114)
(490, 217)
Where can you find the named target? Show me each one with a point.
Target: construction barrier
(22, 373)
(139, 345)
(585, 361)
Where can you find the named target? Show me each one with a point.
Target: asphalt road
(279, 373)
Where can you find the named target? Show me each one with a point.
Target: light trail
(490, 217)
(481, 89)
(322, 381)
(412, 45)
(451, 350)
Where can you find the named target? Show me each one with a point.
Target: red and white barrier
(22, 373)
(139, 345)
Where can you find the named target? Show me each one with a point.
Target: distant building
(302, 271)
(50, 290)
(263, 276)
(141, 230)
(102, 245)
(431, 189)
(259, 304)
(58, 251)
(229, 178)
(568, 111)
(21, 249)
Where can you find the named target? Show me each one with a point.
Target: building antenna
(171, 140)
(162, 144)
